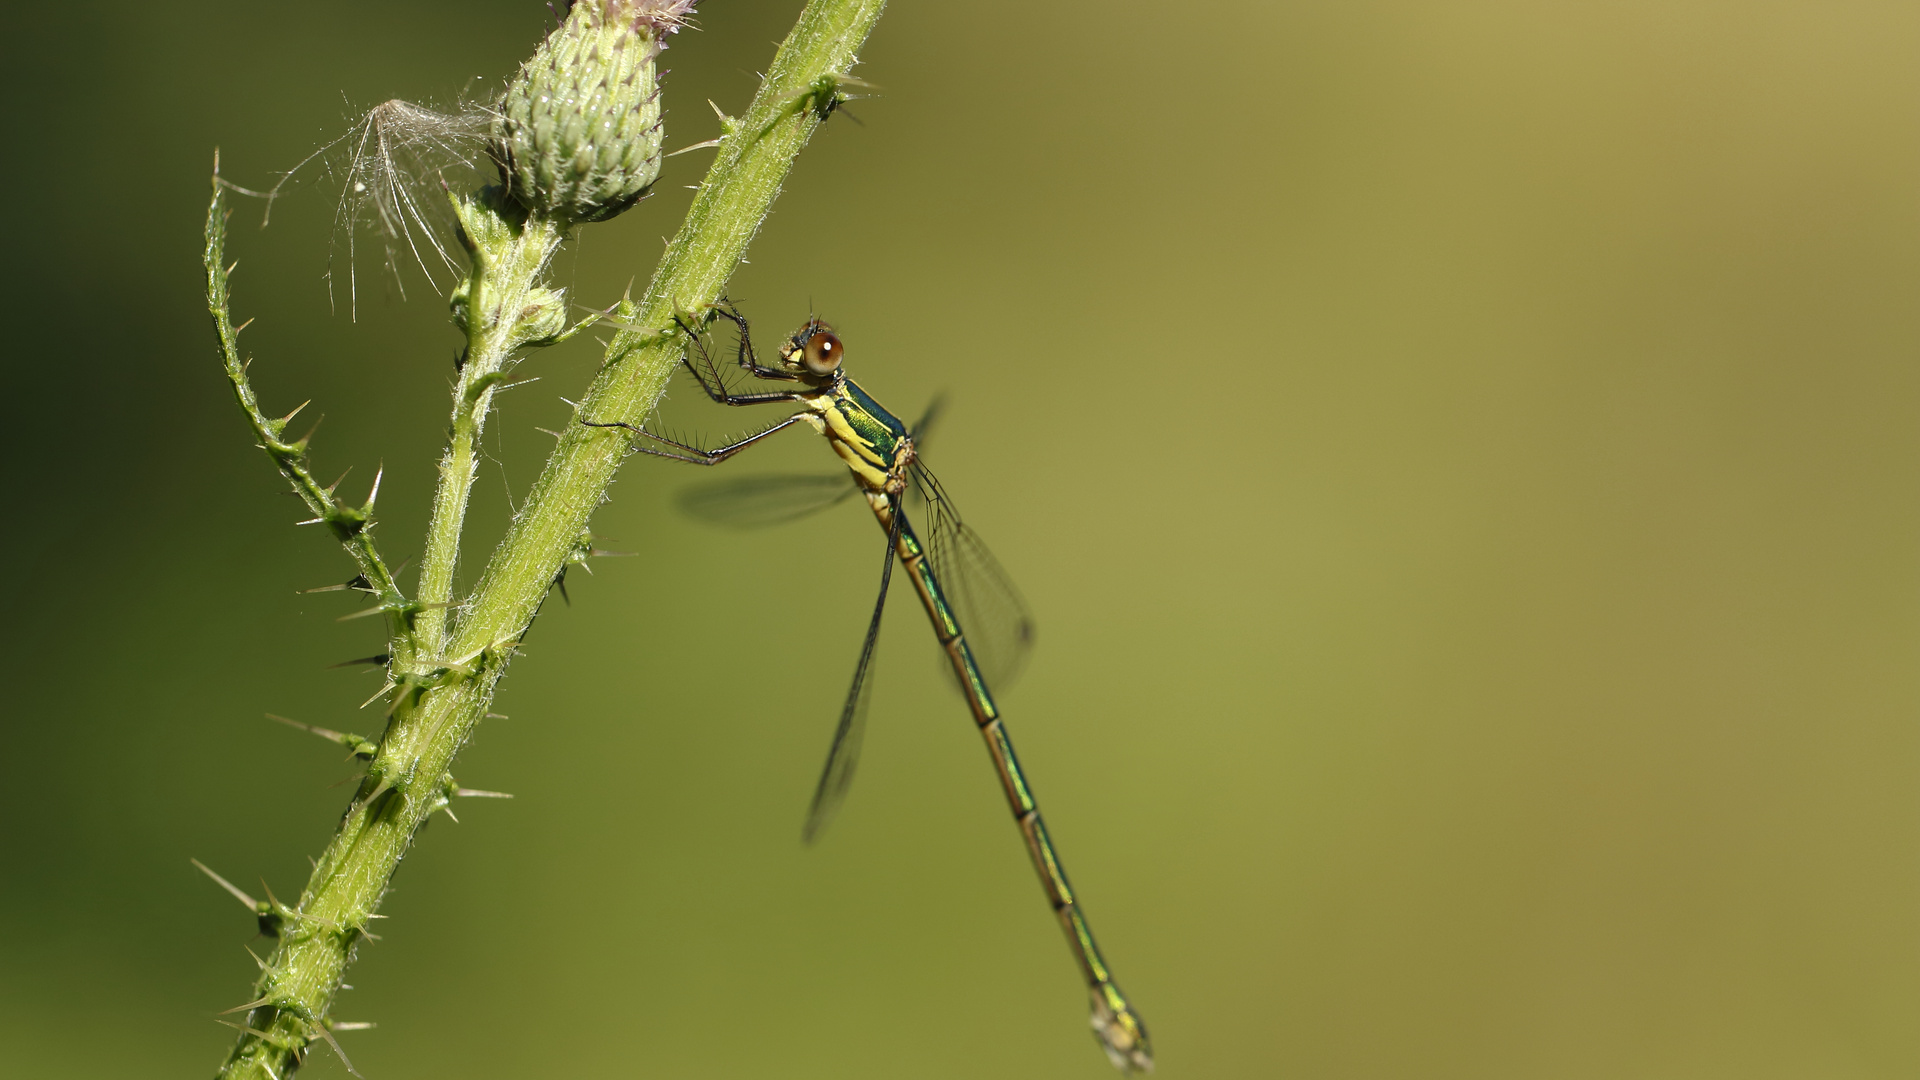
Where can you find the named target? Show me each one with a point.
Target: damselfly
(978, 617)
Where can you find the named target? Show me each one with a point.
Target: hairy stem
(799, 90)
(501, 305)
(437, 701)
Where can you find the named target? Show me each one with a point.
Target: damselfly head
(815, 349)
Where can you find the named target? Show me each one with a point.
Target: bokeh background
(1462, 457)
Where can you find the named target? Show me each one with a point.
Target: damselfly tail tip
(1120, 1032)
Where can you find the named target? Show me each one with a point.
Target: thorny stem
(440, 695)
(352, 526)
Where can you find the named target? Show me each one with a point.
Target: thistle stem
(508, 261)
(739, 189)
(437, 702)
(352, 526)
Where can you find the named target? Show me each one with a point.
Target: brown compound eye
(821, 353)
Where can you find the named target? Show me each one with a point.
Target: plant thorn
(695, 146)
(265, 1037)
(382, 692)
(287, 419)
(302, 441)
(377, 658)
(379, 789)
(375, 493)
(325, 733)
(267, 1000)
(252, 904)
(321, 1028)
(476, 793)
(359, 746)
(243, 326)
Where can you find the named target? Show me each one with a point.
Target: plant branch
(435, 708)
(352, 526)
(501, 307)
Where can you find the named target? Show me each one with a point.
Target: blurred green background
(1462, 458)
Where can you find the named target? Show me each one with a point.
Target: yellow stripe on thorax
(868, 465)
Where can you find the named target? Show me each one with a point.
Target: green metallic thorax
(866, 415)
(873, 442)
(877, 447)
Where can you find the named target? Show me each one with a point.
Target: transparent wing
(923, 427)
(998, 627)
(753, 502)
(844, 754)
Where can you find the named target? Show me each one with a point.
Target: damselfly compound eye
(821, 354)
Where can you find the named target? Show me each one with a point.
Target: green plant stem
(732, 201)
(505, 271)
(352, 526)
(434, 711)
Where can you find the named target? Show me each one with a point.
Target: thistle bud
(579, 131)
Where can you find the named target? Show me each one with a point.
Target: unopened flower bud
(544, 316)
(579, 132)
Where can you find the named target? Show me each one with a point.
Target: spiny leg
(746, 359)
(707, 371)
(694, 455)
(714, 385)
